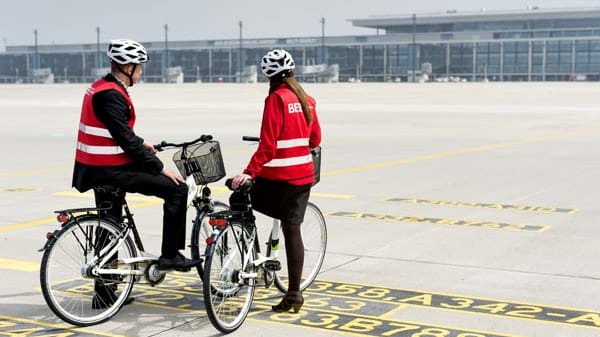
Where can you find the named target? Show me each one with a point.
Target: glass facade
(536, 49)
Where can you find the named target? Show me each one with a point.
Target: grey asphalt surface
(454, 209)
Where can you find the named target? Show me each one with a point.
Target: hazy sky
(75, 21)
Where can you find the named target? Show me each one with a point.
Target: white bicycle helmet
(276, 61)
(126, 52)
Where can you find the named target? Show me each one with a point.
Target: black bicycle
(94, 253)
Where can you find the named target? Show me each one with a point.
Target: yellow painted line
(33, 172)
(27, 224)
(332, 195)
(57, 326)
(19, 265)
(90, 195)
(459, 152)
(144, 202)
(19, 189)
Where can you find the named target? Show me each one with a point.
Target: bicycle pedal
(272, 265)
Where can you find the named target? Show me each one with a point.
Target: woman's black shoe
(291, 301)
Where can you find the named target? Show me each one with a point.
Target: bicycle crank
(154, 275)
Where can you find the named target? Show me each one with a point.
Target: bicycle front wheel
(71, 288)
(314, 237)
(228, 293)
(202, 230)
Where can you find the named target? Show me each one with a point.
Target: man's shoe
(179, 263)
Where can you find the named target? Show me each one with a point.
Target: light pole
(98, 55)
(414, 51)
(166, 69)
(323, 40)
(241, 24)
(36, 58)
(4, 40)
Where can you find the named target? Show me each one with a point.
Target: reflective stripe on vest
(290, 161)
(94, 131)
(289, 143)
(95, 145)
(91, 149)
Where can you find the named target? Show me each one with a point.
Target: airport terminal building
(534, 44)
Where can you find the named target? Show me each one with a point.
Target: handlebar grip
(159, 147)
(251, 139)
(243, 188)
(205, 138)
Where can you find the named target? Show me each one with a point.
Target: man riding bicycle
(109, 153)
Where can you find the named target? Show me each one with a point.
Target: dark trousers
(174, 207)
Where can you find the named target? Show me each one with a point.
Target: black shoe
(103, 300)
(179, 263)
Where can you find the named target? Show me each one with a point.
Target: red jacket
(95, 145)
(285, 140)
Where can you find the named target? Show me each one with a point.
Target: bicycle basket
(316, 156)
(204, 161)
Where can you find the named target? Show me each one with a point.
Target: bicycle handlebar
(243, 188)
(164, 144)
(251, 139)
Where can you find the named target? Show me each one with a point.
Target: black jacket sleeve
(112, 109)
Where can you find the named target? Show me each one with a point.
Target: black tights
(294, 251)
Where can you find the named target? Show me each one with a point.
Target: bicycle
(94, 252)
(233, 262)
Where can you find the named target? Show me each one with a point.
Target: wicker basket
(204, 161)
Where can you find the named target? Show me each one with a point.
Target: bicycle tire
(66, 289)
(314, 236)
(201, 231)
(227, 300)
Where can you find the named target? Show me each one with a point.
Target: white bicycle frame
(261, 259)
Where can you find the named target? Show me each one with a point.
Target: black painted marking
(439, 221)
(485, 205)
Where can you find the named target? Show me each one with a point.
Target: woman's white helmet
(126, 52)
(276, 61)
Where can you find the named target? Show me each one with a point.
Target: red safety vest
(292, 161)
(95, 145)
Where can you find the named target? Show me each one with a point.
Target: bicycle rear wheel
(70, 289)
(314, 236)
(228, 296)
(202, 231)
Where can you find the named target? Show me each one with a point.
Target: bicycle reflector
(219, 222)
(62, 217)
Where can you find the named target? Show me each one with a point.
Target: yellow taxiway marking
(460, 152)
(19, 265)
(33, 172)
(27, 224)
(331, 195)
(141, 202)
(67, 328)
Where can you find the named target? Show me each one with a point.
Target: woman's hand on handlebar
(173, 175)
(239, 180)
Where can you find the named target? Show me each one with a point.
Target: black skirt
(280, 200)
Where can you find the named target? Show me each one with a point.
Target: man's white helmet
(276, 61)
(126, 52)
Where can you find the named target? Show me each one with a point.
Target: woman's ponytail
(297, 89)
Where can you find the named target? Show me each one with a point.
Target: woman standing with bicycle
(282, 167)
